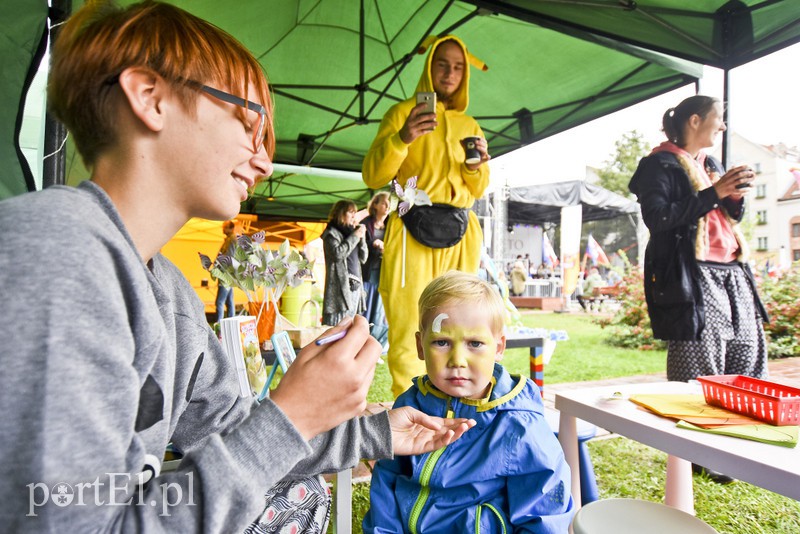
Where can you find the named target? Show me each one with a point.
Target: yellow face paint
(460, 356)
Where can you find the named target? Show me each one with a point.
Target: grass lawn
(583, 357)
(625, 468)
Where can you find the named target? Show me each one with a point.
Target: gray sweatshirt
(105, 360)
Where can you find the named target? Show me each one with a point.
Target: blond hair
(455, 287)
(380, 196)
(101, 40)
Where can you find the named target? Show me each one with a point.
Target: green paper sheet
(783, 436)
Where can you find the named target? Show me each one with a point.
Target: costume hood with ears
(460, 99)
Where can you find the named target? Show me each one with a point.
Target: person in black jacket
(700, 292)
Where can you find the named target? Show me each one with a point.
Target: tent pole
(55, 134)
(726, 145)
(500, 226)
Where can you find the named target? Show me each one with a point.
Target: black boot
(715, 476)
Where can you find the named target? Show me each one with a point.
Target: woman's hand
(360, 231)
(735, 183)
(414, 432)
(378, 244)
(337, 374)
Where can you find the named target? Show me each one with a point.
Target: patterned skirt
(732, 341)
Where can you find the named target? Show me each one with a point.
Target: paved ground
(784, 371)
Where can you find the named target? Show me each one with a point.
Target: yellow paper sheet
(691, 408)
(784, 436)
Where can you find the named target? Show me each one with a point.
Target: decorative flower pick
(250, 266)
(410, 196)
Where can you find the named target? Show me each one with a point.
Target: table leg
(568, 437)
(537, 365)
(679, 492)
(343, 502)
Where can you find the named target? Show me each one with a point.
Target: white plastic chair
(634, 516)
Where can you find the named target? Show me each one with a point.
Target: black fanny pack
(437, 226)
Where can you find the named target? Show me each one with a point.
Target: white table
(768, 466)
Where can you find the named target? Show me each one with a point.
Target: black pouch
(437, 226)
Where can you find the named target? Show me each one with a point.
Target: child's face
(460, 356)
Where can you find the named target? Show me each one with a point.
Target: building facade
(772, 223)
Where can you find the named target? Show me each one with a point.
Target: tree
(618, 171)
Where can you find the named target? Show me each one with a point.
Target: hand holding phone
(421, 119)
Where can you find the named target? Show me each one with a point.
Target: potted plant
(263, 275)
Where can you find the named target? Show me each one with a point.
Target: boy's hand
(328, 384)
(414, 432)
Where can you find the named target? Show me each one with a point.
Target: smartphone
(429, 99)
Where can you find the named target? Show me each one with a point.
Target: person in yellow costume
(411, 143)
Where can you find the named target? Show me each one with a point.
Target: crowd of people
(119, 363)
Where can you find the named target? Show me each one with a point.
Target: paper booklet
(691, 408)
(240, 341)
(693, 413)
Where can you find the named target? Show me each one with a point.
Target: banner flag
(548, 253)
(571, 218)
(595, 252)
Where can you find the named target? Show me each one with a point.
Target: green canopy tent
(337, 65)
(719, 33)
(23, 32)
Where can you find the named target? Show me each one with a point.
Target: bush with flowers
(630, 325)
(781, 297)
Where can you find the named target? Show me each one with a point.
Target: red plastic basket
(770, 402)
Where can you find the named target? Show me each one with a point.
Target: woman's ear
(145, 91)
(694, 121)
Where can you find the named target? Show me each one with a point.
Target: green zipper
(424, 480)
(478, 517)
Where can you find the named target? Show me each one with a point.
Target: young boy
(172, 116)
(508, 473)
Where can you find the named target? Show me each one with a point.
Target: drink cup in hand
(746, 177)
(471, 150)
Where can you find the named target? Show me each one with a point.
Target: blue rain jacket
(507, 474)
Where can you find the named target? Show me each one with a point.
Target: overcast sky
(764, 107)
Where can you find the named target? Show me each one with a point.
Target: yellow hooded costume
(437, 160)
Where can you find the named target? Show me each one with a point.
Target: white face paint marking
(436, 326)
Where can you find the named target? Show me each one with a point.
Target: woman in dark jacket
(345, 250)
(701, 295)
(375, 225)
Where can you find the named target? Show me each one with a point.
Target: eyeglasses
(258, 131)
